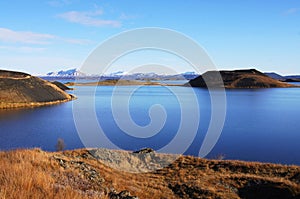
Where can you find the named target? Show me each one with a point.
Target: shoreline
(7, 105)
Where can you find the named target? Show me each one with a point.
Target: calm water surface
(261, 124)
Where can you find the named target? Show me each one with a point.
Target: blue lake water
(261, 124)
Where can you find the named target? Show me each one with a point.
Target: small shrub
(60, 145)
(219, 157)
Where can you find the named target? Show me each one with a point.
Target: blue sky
(42, 36)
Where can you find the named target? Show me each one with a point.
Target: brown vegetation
(60, 145)
(78, 174)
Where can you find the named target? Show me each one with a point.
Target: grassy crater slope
(23, 90)
(251, 78)
(78, 174)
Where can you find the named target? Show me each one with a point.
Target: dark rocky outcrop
(185, 191)
(264, 189)
(61, 85)
(122, 195)
(144, 151)
(251, 78)
(291, 80)
(23, 90)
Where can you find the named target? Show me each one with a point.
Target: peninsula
(249, 78)
(23, 90)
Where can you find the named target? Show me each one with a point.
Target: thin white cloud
(26, 37)
(124, 16)
(58, 3)
(7, 35)
(77, 41)
(22, 49)
(88, 18)
(291, 11)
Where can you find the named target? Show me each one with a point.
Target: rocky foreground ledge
(19, 90)
(103, 173)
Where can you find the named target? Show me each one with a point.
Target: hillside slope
(23, 90)
(78, 174)
(251, 78)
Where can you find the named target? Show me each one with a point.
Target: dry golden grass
(77, 174)
(30, 174)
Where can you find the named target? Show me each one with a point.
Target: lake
(261, 124)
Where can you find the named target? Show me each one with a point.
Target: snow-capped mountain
(189, 75)
(71, 73)
(66, 73)
(150, 76)
(117, 74)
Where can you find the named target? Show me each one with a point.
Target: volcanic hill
(23, 90)
(250, 78)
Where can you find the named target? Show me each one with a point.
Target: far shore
(116, 82)
(120, 83)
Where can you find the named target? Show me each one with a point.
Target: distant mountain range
(66, 73)
(75, 73)
(293, 77)
(290, 78)
(275, 76)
